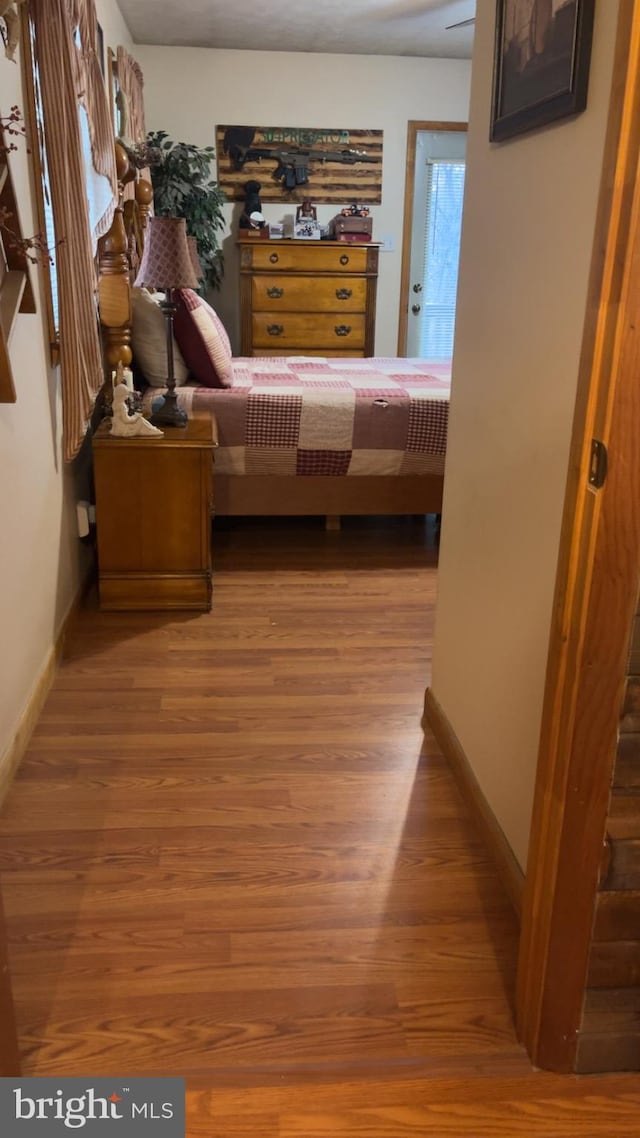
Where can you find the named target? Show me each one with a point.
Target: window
(69, 74)
(445, 193)
(99, 194)
(44, 211)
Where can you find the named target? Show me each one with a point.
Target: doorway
(431, 238)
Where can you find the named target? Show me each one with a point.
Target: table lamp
(167, 265)
(195, 260)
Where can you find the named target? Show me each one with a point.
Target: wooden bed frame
(241, 495)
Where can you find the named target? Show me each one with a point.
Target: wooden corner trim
(509, 870)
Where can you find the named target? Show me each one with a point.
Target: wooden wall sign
(291, 163)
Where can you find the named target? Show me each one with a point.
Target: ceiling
(357, 27)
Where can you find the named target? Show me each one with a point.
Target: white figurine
(123, 424)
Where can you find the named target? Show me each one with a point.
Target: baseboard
(13, 754)
(510, 872)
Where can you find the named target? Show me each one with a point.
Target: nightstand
(154, 498)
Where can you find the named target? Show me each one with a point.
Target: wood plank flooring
(230, 853)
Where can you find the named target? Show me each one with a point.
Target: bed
(300, 435)
(326, 436)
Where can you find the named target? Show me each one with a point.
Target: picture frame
(541, 63)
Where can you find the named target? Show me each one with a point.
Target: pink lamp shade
(166, 261)
(195, 260)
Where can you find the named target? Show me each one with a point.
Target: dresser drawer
(273, 292)
(300, 257)
(307, 298)
(278, 330)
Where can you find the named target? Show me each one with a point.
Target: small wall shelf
(16, 292)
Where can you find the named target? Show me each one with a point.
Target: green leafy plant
(182, 187)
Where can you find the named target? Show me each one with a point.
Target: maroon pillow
(202, 339)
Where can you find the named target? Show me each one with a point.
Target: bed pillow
(203, 340)
(149, 340)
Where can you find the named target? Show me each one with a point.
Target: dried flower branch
(12, 124)
(141, 155)
(35, 248)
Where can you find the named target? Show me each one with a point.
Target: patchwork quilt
(310, 416)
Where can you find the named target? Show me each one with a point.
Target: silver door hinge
(597, 464)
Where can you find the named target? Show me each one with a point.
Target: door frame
(594, 605)
(9, 1053)
(413, 127)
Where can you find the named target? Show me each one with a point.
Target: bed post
(144, 201)
(114, 286)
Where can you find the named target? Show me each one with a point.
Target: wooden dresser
(153, 518)
(307, 298)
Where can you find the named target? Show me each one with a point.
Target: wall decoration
(293, 163)
(541, 65)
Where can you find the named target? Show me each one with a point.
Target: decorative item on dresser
(315, 297)
(252, 218)
(153, 514)
(353, 224)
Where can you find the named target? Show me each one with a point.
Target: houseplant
(182, 187)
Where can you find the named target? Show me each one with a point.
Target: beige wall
(188, 91)
(114, 29)
(42, 559)
(527, 237)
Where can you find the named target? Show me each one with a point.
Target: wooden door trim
(594, 604)
(9, 1053)
(413, 126)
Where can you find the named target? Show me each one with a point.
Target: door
(431, 242)
(594, 612)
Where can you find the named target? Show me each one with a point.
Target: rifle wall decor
(291, 163)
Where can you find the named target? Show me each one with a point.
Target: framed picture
(541, 63)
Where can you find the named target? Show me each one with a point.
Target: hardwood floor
(230, 853)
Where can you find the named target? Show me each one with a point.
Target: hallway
(231, 854)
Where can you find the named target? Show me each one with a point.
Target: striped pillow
(202, 339)
(149, 339)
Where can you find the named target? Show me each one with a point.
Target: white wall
(42, 559)
(526, 248)
(189, 91)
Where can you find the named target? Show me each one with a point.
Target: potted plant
(180, 173)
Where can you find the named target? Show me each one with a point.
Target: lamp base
(166, 413)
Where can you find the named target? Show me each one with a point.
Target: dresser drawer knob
(275, 329)
(344, 260)
(274, 258)
(275, 293)
(342, 329)
(343, 293)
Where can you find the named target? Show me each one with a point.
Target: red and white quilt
(308, 416)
